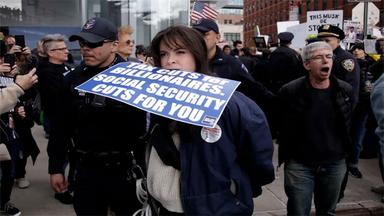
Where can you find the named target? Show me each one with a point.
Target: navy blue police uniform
(345, 66)
(285, 64)
(105, 135)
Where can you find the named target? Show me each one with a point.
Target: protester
(141, 53)
(10, 94)
(377, 107)
(51, 72)
(26, 144)
(377, 100)
(105, 132)
(228, 170)
(237, 46)
(314, 134)
(9, 97)
(227, 49)
(126, 43)
(377, 68)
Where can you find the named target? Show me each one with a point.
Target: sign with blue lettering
(188, 97)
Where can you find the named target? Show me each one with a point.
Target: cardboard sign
(193, 98)
(299, 32)
(317, 18)
(353, 30)
(5, 81)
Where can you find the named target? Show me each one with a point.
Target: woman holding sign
(205, 171)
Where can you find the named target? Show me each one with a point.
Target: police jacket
(237, 152)
(346, 68)
(366, 78)
(294, 99)
(97, 125)
(285, 65)
(226, 66)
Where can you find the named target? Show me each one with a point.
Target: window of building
(335, 3)
(232, 36)
(147, 17)
(308, 5)
(324, 4)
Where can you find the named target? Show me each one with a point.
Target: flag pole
(190, 13)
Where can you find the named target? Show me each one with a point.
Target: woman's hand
(5, 68)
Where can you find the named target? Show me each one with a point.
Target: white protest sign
(193, 98)
(317, 18)
(299, 32)
(369, 46)
(353, 30)
(282, 26)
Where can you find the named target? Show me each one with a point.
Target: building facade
(266, 13)
(230, 20)
(34, 18)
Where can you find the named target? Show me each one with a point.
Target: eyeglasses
(321, 57)
(61, 49)
(84, 43)
(130, 41)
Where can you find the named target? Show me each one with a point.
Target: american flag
(202, 10)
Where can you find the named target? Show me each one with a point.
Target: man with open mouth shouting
(314, 133)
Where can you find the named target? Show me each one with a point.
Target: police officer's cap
(206, 25)
(330, 31)
(96, 30)
(285, 37)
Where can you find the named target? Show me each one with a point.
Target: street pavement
(38, 199)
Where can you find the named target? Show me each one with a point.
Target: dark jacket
(285, 65)
(97, 125)
(242, 154)
(294, 99)
(366, 78)
(27, 143)
(346, 68)
(51, 87)
(226, 66)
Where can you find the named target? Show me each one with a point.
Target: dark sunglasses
(84, 43)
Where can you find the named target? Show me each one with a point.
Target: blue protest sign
(188, 97)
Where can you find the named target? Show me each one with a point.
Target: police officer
(229, 67)
(104, 132)
(285, 63)
(345, 66)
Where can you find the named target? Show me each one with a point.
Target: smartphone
(10, 59)
(20, 40)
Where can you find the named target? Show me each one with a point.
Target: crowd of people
(321, 105)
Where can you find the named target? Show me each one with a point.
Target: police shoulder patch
(348, 64)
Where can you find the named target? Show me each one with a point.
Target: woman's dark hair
(185, 38)
(226, 46)
(140, 49)
(246, 51)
